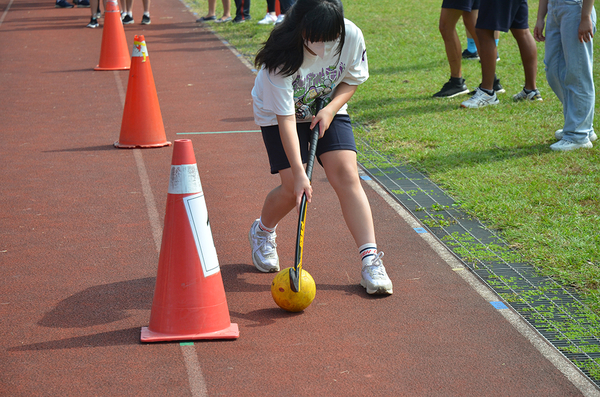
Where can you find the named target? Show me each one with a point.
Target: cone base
(231, 332)
(121, 146)
(113, 68)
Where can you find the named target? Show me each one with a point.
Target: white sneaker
(268, 19)
(480, 99)
(279, 19)
(375, 279)
(559, 135)
(264, 249)
(563, 145)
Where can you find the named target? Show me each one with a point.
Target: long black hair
(306, 20)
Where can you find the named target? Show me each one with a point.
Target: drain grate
(555, 311)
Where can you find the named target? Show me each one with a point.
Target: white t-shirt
(274, 94)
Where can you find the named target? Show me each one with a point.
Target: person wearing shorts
(504, 15)
(452, 11)
(315, 53)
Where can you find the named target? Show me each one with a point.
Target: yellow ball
(288, 299)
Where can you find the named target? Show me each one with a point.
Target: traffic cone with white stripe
(114, 54)
(142, 125)
(189, 299)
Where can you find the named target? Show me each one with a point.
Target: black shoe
(63, 4)
(127, 20)
(82, 3)
(206, 19)
(93, 23)
(145, 20)
(238, 20)
(498, 89)
(452, 88)
(470, 55)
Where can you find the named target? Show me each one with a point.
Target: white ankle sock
(264, 228)
(367, 253)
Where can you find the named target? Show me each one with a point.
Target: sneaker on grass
(524, 95)
(559, 135)
(454, 87)
(269, 19)
(264, 249)
(375, 279)
(480, 99)
(466, 54)
(565, 145)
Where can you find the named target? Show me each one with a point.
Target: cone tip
(183, 152)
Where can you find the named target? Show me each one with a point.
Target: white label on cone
(184, 179)
(139, 50)
(198, 216)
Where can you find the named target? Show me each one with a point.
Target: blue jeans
(569, 66)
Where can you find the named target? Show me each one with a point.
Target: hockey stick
(296, 271)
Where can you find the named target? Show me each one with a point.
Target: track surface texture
(81, 225)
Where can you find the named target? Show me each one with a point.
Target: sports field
(82, 224)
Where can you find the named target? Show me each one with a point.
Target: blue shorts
(503, 15)
(463, 5)
(339, 136)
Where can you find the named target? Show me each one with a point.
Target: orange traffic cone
(142, 124)
(114, 54)
(189, 299)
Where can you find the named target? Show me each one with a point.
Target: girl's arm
(343, 93)
(291, 145)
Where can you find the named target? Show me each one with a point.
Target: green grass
(495, 161)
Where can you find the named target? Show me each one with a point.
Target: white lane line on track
(5, 12)
(569, 370)
(197, 383)
(190, 356)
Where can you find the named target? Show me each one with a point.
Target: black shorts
(503, 15)
(463, 5)
(339, 136)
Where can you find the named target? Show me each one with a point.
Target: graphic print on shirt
(313, 86)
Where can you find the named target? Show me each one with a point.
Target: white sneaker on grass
(264, 249)
(480, 99)
(375, 279)
(559, 135)
(269, 19)
(564, 145)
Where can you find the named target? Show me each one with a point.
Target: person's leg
(146, 4)
(447, 27)
(342, 173)
(487, 55)
(554, 57)
(94, 20)
(469, 20)
(212, 6)
(226, 9)
(528, 51)
(576, 78)
(280, 201)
